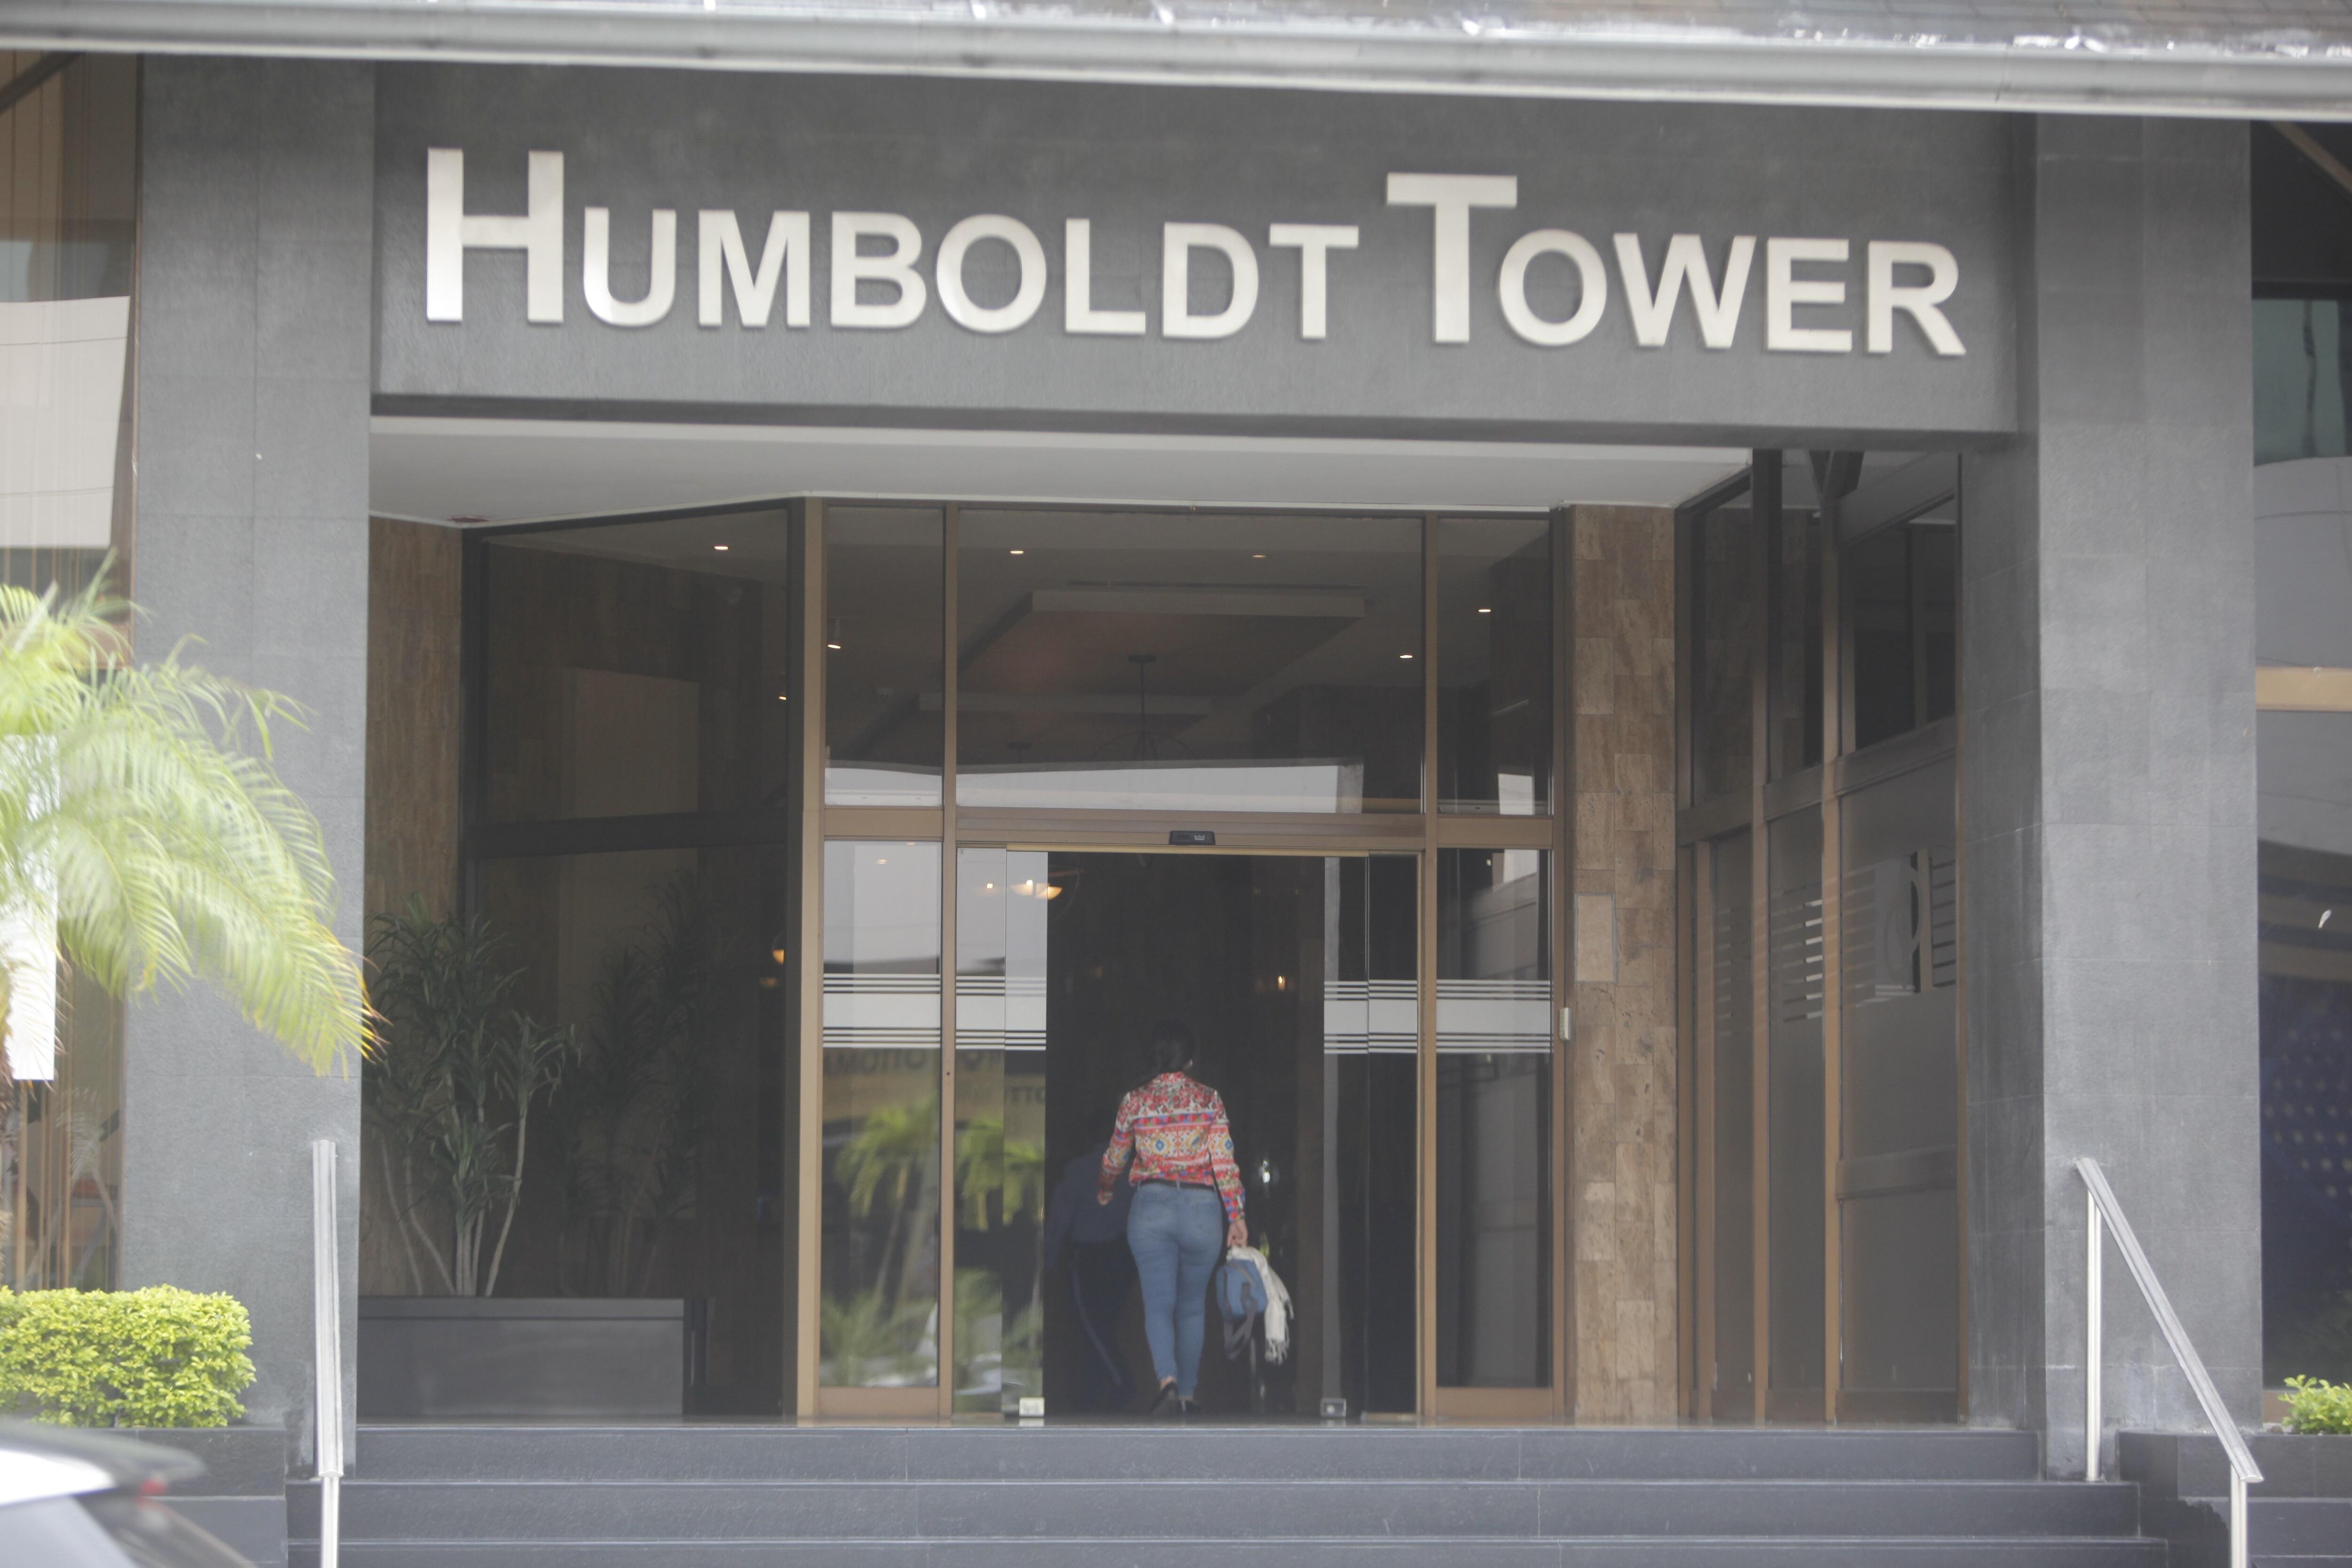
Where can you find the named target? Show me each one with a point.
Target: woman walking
(1188, 1197)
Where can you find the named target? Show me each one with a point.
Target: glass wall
(1826, 1219)
(68, 199)
(2303, 640)
(623, 952)
(2301, 342)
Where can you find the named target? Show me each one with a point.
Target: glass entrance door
(1296, 974)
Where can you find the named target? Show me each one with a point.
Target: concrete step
(1179, 1511)
(1452, 1552)
(1081, 1452)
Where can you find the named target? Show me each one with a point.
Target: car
(77, 1500)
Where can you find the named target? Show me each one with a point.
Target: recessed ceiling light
(1485, 611)
(1260, 555)
(1017, 552)
(1405, 655)
(718, 547)
(784, 697)
(834, 646)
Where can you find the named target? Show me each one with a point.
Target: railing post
(2093, 1322)
(2237, 1519)
(327, 1321)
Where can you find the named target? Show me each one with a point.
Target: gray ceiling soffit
(2290, 58)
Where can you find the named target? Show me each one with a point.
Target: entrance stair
(1065, 1495)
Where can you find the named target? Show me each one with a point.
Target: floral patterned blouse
(1178, 1132)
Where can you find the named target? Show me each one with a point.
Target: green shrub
(157, 1357)
(2314, 1406)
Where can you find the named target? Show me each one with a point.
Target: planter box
(2302, 1509)
(466, 1356)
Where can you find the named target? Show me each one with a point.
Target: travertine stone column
(1621, 1081)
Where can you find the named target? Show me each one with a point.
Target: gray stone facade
(2109, 801)
(253, 387)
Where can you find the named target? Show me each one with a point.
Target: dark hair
(1172, 1048)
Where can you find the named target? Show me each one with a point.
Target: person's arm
(1122, 1139)
(1228, 1173)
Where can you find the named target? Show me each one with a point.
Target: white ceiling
(516, 470)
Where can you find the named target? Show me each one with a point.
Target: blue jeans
(1176, 1235)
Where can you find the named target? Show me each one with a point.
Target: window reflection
(1113, 660)
(999, 1163)
(1495, 666)
(1494, 1119)
(634, 669)
(654, 1164)
(2304, 774)
(884, 727)
(69, 202)
(880, 1326)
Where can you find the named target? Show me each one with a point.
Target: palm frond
(139, 803)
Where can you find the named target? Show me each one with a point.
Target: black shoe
(1165, 1402)
(1188, 1409)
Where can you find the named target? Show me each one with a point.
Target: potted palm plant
(465, 1086)
(453, 1088)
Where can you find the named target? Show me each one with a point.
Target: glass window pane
(884, 604)
(61, 1146)
(2306, 779)
(1145, 661)
(655, 1161)
(2303, 365)
(1727, 641)
(1902, 619)
(1494, 1119)
(69, 203)
(1495, 666)
(1899, 1117)
(1796, 1090)
(1730, 1383)
(1795, 691)
(1876, 577)
(636, 669)
(879, 1327)
(1358, 1267)
(1001, 897)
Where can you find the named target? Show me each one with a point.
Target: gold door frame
(1147, 832)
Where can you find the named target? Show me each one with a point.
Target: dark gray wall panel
(256, 252)
(2110, 790)
(1130, 159)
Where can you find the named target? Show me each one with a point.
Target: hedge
(156, 1357)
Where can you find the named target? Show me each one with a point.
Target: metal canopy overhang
(2257, 73)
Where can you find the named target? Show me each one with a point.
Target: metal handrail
(327, 1344)
(2104, 1213)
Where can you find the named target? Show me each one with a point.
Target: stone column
(255, 299)
(2109, 789)
(1621, 1079)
